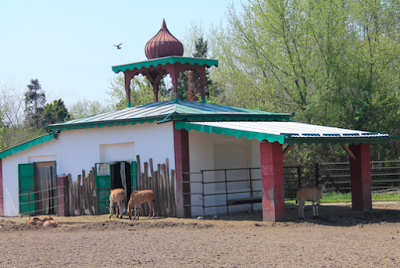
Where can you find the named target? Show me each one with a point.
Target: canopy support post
(360, 172)
(273, 198)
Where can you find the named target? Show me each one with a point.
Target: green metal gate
(134, 174)
(26, 187)
(103, 186)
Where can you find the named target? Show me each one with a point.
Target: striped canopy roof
(286, 132)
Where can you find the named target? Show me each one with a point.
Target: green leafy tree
(331, 62)
(189, 84)
(13, 131)
(141, 92)
(83, 108)
(166, 90)
(55, 112)
(35, 100)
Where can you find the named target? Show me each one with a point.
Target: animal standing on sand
(117, 196)
(137, 198)
(309, 193)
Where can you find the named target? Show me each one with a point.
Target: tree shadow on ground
(330, 215)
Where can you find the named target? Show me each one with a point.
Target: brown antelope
(35, 221)
(137, 198)
(117, 196)
(309, 193)
(50, 223)
(45, 222)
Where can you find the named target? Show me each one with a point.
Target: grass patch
(336, 197)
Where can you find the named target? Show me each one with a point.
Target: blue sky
(68, 45)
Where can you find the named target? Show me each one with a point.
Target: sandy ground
(339, 238)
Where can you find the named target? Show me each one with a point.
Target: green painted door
(26, 188)
(103, 186)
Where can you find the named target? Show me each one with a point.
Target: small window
(103, 169)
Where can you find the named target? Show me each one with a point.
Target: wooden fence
(83, 199)
(82, 194)
(162, 182)
(385, 175)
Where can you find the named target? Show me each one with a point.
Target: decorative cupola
(164, 53)
(163, 44)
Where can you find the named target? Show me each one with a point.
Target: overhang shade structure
(273, 134)
(286, 132)
(164, 53)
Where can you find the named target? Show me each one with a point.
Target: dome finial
(163, 44)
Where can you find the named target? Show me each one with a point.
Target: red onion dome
(163, 44)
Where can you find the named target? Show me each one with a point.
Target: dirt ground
(339, 238)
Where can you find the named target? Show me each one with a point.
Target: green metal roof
(28, 145)
(286, 132)
(163, 61)
(166, 111)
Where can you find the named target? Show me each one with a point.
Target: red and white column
(181, 148)
(360, 171)
(273, 199)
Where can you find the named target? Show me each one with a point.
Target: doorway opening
(37, 188)
(121, 174)
(113, 175)
(46, 188)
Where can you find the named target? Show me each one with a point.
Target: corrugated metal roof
(286, 132)
(167, 111)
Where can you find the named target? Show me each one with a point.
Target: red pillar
(181, 148)
(62, 195)
(360, 171)
(273, 199)
(1, 189)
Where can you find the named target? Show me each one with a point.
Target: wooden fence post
(173, 193)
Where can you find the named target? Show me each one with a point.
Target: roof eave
(163, 61)
(28, 144)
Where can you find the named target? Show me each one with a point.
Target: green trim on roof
(230, 132)
(28, 145)
(163, 61)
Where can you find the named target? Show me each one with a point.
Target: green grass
(335, 197)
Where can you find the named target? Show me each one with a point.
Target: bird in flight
(118, 46)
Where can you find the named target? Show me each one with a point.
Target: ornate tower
(164, 53)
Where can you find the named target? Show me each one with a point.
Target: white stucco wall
(203, 149)
(75, 150)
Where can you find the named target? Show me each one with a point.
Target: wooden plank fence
(162, 182)
(83, 200)
(82, 192)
